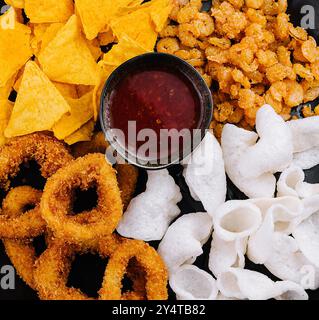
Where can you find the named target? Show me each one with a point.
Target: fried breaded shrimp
(147, 258)
(16, 222)
(92, 170)
(47, 151)
(53, 267)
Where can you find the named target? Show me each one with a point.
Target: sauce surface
(157, 100)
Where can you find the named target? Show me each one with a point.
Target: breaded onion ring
(53, 267)
(127, 175)
(147, 258)
(92, 170)
(15, 223)
(47, 151)
(21, 252)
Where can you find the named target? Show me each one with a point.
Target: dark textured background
(87, 271)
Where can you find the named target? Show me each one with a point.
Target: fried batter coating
(127, 175)
(15, 222)
(47, 151)
(53, 267)
(147, 258)
(21, 252)
(91, 170)
(245, 45)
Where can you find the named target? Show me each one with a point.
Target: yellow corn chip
(106, 38)
(85, 133)
(82, 90)
(95, 49)
(159, 11)
(67, 57)
(15, 3)
(15, 49)
(18, 80)
(95, 16)
(105, 71)
(67, 90)
(44, 11)
(125, 50)
(50, 33)
(39, 104)
(7, 88)
(5, 113)
(138, 26)
(81, 113)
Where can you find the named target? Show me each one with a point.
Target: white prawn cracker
(237, 219)
(205, 174)
(191, 283)
(226, 254)
(292, 183)
(150, 214)
(307, 159)
(184, 240)
(245, 284)
(287, 262)
(274, 150)
(307, 237)
(305, 134)
(280, 215)
(250, 163)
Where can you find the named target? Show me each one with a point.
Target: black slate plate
(87, 271)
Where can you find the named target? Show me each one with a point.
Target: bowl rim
(207, 106)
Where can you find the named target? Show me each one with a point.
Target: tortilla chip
(141, 28)
(18, 80)
(81, 113)
(95, 49)
(7, 88)
(85, 133)
(5, 112)
(67, 57)
(15, 3)
(39, 104)
(159, 11)
(67, 90)
(125, 50)
(45, 11)
(94, 17)
(38, 30)
(15, 49)
(82, 90)
(106, 71)
(50, 33)
(106, 38)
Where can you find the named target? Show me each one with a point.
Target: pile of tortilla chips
(55, 63)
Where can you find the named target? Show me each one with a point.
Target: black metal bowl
(151, 61)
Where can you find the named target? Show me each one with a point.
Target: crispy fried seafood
(127, 175)
(47, 151)
(16, 221)
(84, 173)
(251, 50)
(54, 265)
(147, 258)
(21, 251)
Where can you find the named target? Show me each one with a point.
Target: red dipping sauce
(154, 99)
